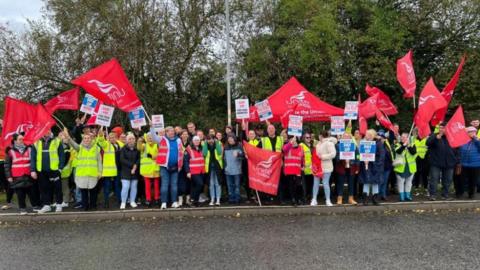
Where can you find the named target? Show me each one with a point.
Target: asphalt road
(363, 241)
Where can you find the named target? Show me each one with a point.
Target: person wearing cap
(442, 160)
(194, 167)
(389, 157)
(233, 156)
(470, 161)
(406, 169)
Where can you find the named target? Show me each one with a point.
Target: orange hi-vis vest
(164, 152)
(293, 161)
(197, 161)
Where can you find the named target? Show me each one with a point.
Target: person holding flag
(407, 167)
(48, 159)
(470, 161)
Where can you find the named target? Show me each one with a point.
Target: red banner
(109, 84)
(67, 100)
(455, 129)
(383, 101)
(368, 108)
(447, 93)
(429, 102)
(264, 169)
(406, 75)
(384, 121)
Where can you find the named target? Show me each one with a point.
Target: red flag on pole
(18, 117)
(67, 100)
(42, 124)
(447, 93)
(109, 84)
(384, 121)
(406, 74)
(368, 108)
(363, 126)
(264, 169)
(455, 129)
(383, 101)
(429, 102)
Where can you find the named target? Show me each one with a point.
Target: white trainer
(175, 205)
(45, 209)
(123, 205)
(58, 209)
(164, 206)
(328, 203)
(133, 205)
(64, 204)
(180, 200)
(314, 202)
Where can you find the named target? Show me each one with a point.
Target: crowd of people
(177, 167)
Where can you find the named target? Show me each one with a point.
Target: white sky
(16, 12)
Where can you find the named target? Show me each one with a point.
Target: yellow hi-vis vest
(52, 152)
(254, 142)
(148, 166)
(307, 159)
(409, 159)
(109, 160)
(86, 161)
(218, 157)
(268, 146)
(422, 147)
(67, 170)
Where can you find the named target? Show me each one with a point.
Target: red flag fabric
(455, 129)
(384, 121)
(42, 124)
(109, 84)
(429, 102)
(406, 75)
(363, 126)
(264, 169)
(368, 108)
(383, 101)
(18, 117)
(67, 100)
(447, 93)
(316, 165)
(93, 118)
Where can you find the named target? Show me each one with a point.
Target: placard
(104, 115)
(264, 110)
(337, 125)
(137, 118)
(295, 125)
(346, 149)
(351, 110)
(242, 108)
(367, 150)
(157, 122)
(89, 103)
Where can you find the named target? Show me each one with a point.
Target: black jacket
(128, 158)
(441, 154)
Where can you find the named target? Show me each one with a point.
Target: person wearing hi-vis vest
(170, 160)
(149, 168)
(251, 137)
(48, 160)
(110, 149)
(423, 167)
(194, 167)
(308, 147)
(88, 169)
(67, 172)
(213, 153)
(406, 168)
(272, 142)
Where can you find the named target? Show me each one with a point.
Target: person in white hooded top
(326, 152)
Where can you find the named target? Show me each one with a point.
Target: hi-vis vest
(387, 145)
(218, 157)
(86, 161)
(52, 153)
(254, 142)
(308, 159)
(109, 168)
(422, 147)
(148, 167)
(293, 161)
(20, 162)
(67, 170)
(164, 152)
(409, 159)
(197, 161)
(268, 146)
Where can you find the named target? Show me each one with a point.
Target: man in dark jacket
(442, 162)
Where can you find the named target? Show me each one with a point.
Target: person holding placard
(308, 147)
(371, 172)
(149, 170)
(326, 151)
(346, 169)
(405, 167)
(293, 165)
(110, 149)
(272, 142)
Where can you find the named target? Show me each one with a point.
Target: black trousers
(308, 185)
(50, 184)
(197, 185)
(470, 178)
(89, 198)
(421, 176)
(4, 183)
(22, 193)
(295, 187)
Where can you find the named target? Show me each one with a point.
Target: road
(356, 241)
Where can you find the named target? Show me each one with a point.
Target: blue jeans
(447, 176)
(341, 182)
(169, 180)
(129, 185)
(366, 188)
(107, 185)
(326, 185)
(215, 188)
(383, 186)
(233, 183)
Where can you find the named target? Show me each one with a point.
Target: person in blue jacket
(470, 161)
(371, 172)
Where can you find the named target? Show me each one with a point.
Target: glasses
(308, 137)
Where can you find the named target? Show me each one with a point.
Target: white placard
(351, 110)
(104, 115)
(295, 125)
(157, 122)
(137, 118)
(367, 150)
(89, 103)
(242, 108)
(337, 125)
(264, 110)
(346, 149)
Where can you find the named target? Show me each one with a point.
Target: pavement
(362, 240)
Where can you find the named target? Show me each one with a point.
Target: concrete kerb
(242, 211)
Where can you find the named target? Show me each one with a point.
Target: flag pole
(58, 120)
(258, 198)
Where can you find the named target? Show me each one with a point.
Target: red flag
(263, 169)
(455, 129)
(67, 100)
(109, 84)
(429, 102)
(384, 121)
(383, 101)
(363, 126)
(447, 93)
(18, 118)
(406, 74)
(42, 124)
(368, 108)
(93, 118)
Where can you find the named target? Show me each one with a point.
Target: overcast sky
(16, 12)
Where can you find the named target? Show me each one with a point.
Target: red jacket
(293, 160)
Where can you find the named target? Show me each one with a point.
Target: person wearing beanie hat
(470, 162)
